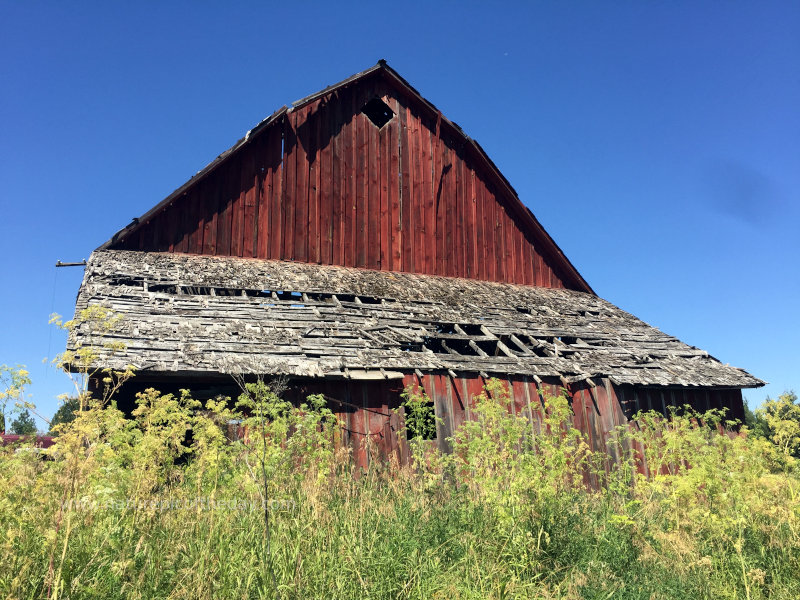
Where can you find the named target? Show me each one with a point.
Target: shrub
(168, 503)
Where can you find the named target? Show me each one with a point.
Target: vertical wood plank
(313, 232)
(406, 235)
(362, 183)
(416, 213)
(248, 202)
(237, 194)
(490, 235)
(508, 241)
(264, 174)
(519, 255)
(277, 165)
(211, 191)
(184, 214)
(450, 204)
(429, 142)
(384, 220)
(442, 409)
(373, 212)
(395, 188)
(422, 185)
(258, 193)
(462, 200)
(301, 188)
(440, 220)
(350, 183)
(288, 196)
(215, 241)
(470, 240)
(480, 235)
(193, 222)
(338, 174)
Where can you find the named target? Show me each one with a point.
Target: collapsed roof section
(186, 314)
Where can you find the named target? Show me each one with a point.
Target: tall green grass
(164, 505)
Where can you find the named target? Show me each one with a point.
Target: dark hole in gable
(378, 112)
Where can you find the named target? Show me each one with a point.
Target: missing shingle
(472, 329)
(411, 347)
(378, 112)
(227, 292)
(447, 328)
(127, 281)
(435, 345)
(165, 288)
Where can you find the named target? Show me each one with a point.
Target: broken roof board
(184, 313)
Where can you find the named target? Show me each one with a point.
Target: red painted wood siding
(323, 184)
(372, 419)
(372, 422)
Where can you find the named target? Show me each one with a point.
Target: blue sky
(658, 142)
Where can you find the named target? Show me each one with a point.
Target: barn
(360, 242)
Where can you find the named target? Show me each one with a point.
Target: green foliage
(780, 420)
(66, 413)
(419, 414)
(420, 431)
(169, 503)
(13, 381)
(82, 362)
(24, 424)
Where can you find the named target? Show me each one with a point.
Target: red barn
(360, 242)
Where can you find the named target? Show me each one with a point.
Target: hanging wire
(50, 332)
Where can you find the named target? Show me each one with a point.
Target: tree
(24, 424)
(66, 413)
(779, 422)
(12, 383)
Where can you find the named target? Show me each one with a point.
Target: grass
(128, 508)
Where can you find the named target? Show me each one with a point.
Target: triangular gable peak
(366, 173)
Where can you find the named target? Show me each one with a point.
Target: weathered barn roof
(199, 314)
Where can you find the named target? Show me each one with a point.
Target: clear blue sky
(658, 142)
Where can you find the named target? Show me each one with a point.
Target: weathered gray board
(187, 313)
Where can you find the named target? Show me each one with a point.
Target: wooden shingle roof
(199, 314)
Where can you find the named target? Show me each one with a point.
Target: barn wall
(633, 399)
(372, 424)
(324, 185)
(368, 412)
(372, 418)
(597, 411)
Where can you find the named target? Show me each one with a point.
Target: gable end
(366, 173)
